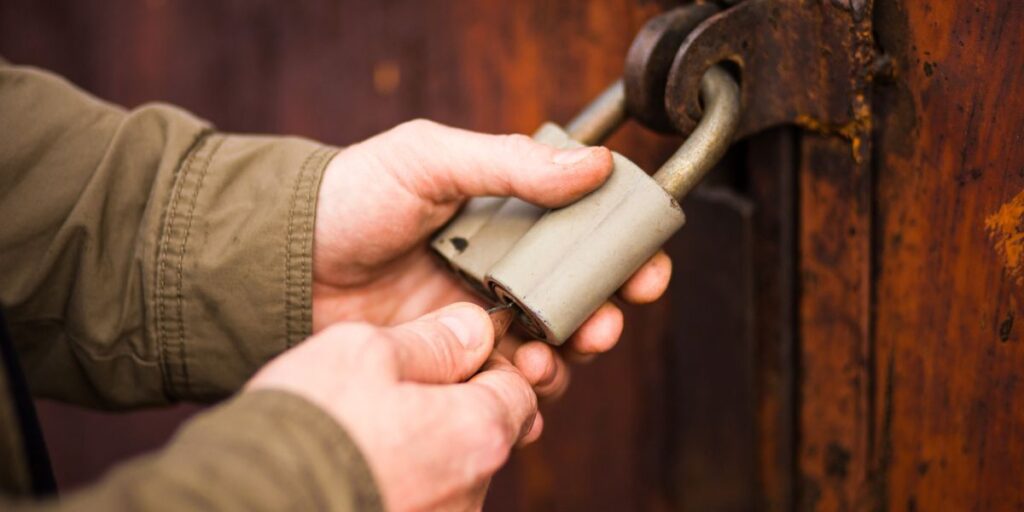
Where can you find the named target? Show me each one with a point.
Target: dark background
(841, 333)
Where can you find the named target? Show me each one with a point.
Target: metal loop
(720, 95)
(649, 62)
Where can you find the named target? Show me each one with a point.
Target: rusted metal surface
(795, 60)
(650, 58)
(949, 420)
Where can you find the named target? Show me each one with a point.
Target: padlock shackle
(720, 95)
(601, 117)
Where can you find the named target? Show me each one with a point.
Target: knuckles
(415, 127)
(518, 144)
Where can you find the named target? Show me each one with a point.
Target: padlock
(560, 266)
(487, 227)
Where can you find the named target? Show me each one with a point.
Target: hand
(381, 199)
(431, 441)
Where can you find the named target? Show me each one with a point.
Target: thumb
(454, 164)
(443, 347)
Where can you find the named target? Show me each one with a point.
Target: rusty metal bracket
(798, 62)
(650, 59)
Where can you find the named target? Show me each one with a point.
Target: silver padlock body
(488, 227)
(574, 258)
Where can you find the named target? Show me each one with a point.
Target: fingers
(501, 389)
(443, 347)
(536, 429)
(600, 332)
(543, 368)
(648, 283)
(453, 164)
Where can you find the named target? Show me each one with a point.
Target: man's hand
(431, 440)
(381, 199)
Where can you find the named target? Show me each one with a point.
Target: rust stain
(853, 131)
(1006, 231)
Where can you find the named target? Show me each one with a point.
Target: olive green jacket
(146, 259)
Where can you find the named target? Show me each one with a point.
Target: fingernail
(572, 156)
(464, 324)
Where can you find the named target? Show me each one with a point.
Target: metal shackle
(600, 117)
(720, 95)
(681, 172)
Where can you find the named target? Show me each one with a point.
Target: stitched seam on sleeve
(290, 242)
(170, 321)
(181, 260)
(160, 313)
(299, 252)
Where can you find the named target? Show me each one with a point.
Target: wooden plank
(834, 358)
(950, 356)
(834, 319)
(709, 355)
(771, 173)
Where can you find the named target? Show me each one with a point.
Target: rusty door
(840, 333)
(918, 406)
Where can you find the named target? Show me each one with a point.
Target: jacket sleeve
(265, 450)
(144, 257)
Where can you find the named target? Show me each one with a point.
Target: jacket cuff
(233, 266)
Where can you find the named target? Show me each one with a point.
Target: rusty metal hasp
(798, 62)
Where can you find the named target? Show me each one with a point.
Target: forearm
(146, 258)
(264, 450)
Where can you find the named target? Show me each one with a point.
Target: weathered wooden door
(840, 333)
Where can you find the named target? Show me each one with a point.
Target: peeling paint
(1006, 231)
